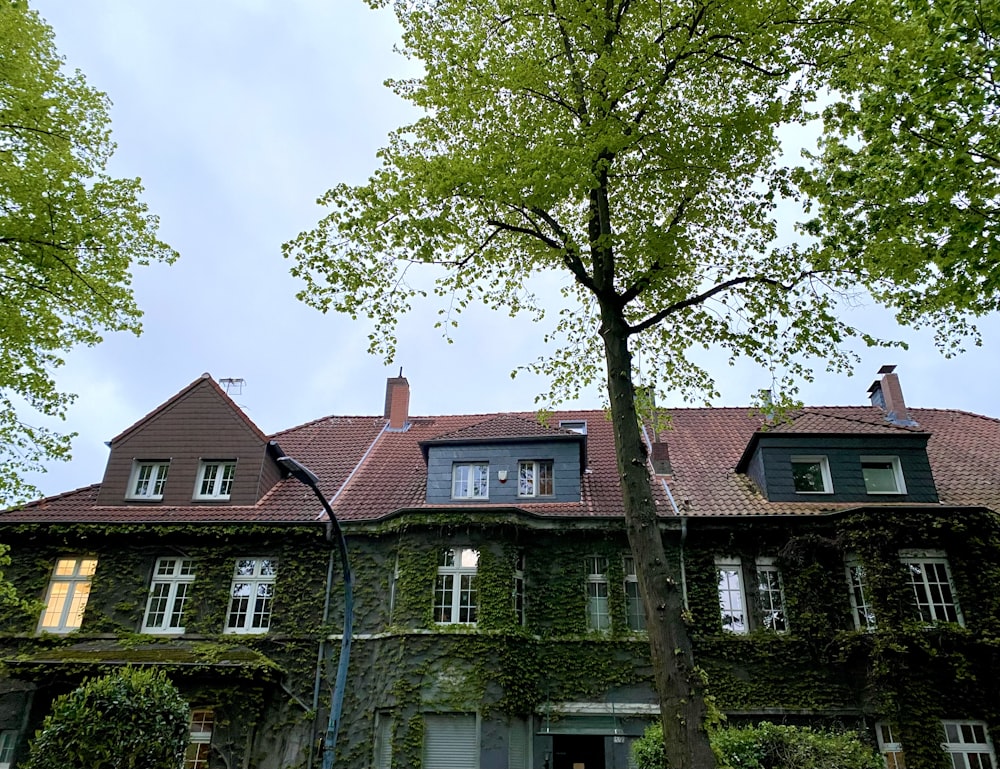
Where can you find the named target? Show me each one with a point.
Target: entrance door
(577, 751)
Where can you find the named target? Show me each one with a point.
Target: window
(772, 596)
(147, 480)
(67, 596)
(968, 744)
(519, 744)
(251, 596)
(8, 741)
(575, 426)
(383, 739)
(811, 475)
(455, 590)
(930, 578)
(534, 479)
(889, 746)
(168, 591)
(450, 741)
(732, 603)
(883, 475)
(215, 479)
(635, 615)
(861, 609)
(470, 481)
(200, 742)
(598, 616)
(519, 589)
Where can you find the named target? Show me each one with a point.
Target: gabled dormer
(506, 459)
(197, 448)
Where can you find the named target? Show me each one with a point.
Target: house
(839, 567)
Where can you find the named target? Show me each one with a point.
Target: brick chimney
(397, 402)
(887, 395)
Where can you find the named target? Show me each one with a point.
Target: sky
(237, 115)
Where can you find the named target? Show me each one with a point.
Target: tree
(632, 145)
(131, 719)
(69, 237)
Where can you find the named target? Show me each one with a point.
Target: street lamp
(304, 475)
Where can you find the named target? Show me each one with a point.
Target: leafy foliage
(132, 719)
(69, 236)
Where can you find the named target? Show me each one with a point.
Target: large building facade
(839, 567)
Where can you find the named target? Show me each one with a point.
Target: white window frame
(897, 473)
(774, 613)
(529, 474)
(889, 745)
(598, 607)
(858, 591)
(67, 594)
(257, 604)
(962, 740)
(221, 485)
(930, 575)
(635, 620)
(8, 742)
(729, 579)
(456, 601)
(824, 467)
(152, 485)
(473, 478)
(578, 426)
(171, 583)
(196, 755)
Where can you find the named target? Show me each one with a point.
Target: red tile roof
(504, 426)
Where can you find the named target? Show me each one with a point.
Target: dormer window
(215, 479)
(147, 479)
(575, 426)
(470, 480)
(534, 479)
(811, 475)
(883, 475)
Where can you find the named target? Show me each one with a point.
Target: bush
(769, 746)
(131, 719)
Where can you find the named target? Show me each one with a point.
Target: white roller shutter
(451, 742)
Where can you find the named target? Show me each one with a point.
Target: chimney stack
(397, 402)
(887, 395)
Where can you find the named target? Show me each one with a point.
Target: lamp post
(304, 475)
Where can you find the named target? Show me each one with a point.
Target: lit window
(534, 479)
(215, 480)
(772, 596)
(889, 746)
(732, 603)
(861, 608)
(471, 481)
(930, 578)
(598, 616)
(168, 592)
(251, 596)
(455, 589)
(200, 741)
(968, 744)
(635, 615)
(67, 596)
(811, 475)
(147, 480)
(8, 741)
(883, 475)
(519, 612)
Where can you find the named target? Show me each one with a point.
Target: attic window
(470, 480)
(534, 479)
(576, 426)
(811, 475)
(147, 479)
(883, 475)
(215, 479)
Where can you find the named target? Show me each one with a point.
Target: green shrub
(131, 719)
(769, 746)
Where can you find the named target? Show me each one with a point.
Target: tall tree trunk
(680, 689)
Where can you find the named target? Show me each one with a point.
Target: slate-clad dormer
(505, 459)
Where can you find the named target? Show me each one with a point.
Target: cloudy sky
(237, 114)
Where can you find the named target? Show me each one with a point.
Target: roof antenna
(400, 372)
(233, 383)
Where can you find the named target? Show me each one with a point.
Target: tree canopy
(70, 235)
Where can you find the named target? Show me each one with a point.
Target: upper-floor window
(635, 615)
(168, 592)
(861, 608)
(933, 589)
(200, 741)
(811, 475)
(470, 480)
(574, 425)
(534, 479)
(519, 612)
(455, 588)
(883, 475)
(215, 479)
(772, 596)
(251, 595)
(147, 479)
(968, 745)
(67, 595)
(598, 613)
(8, 741)
(732, 602)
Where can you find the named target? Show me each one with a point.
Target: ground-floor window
(968, 745)
(451, 741)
